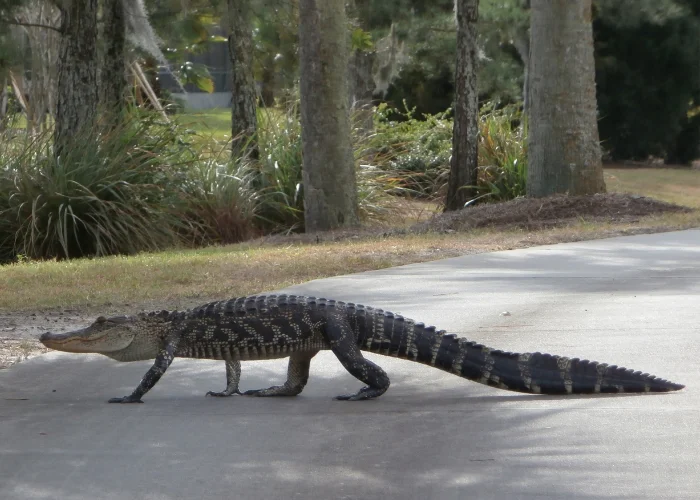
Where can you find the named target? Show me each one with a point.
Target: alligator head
(124, 338)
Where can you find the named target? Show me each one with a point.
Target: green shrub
(417, 152)
(147, 185)
(502, 154)
(221, 201)
(113, 195)
(278, 173)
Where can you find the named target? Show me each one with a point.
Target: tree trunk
(112, 76)
(76, 106)
(330, 191)
(244, 122)
(267, 83)
(563, 145)
(465, 134)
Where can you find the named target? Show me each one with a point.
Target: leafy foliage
(186, 29)
(220, 199)
(279, 173)
(426, 79)
(147, 185)
(502, 154)
(417, 152)
(648, 78)
(101, 197)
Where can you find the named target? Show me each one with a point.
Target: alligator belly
(201, 350)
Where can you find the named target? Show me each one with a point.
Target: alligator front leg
(162, 362)
(297, 376)
(233, 376)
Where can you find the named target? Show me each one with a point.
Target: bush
(646, 78)
(221, 201)
(278, 173)
(112, 195)
(417, 152)
(502, 154)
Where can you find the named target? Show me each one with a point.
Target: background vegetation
(150, 184)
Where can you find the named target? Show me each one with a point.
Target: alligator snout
(48, 336)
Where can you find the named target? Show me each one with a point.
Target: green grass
(213, 123)
(216, 123)
(680, 186)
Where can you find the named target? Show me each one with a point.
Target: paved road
(633, 301)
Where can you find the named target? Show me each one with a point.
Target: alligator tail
(535, 373)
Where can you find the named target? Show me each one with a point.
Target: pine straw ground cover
(40, 296)
(555, 211)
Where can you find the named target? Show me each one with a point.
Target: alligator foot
(222, 394)
(364, 393)
(275, 390)
(125, 399)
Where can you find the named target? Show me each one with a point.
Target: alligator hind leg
(233, 376)
(297, 376)
(343, 344)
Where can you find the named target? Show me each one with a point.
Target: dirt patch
(555, 211)
(13, 351)
(19, 332)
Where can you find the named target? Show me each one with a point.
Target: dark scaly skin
(267, 327)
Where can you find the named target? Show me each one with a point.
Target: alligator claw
(125, 399)
(362, 394)
(222, 394)
(276, 390)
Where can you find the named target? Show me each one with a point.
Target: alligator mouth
(74, 342)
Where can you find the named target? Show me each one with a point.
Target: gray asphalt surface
(632, 301)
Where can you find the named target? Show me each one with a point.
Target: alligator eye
(101, 319)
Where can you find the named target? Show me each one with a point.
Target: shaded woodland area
(337, 109)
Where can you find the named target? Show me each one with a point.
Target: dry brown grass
(680, 186)
(181, 279)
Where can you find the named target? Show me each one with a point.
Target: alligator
(279, 326)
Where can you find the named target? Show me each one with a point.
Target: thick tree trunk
(244, 122)
(465, 135)
(112, 75)
(563, 145)
(330, 191)
(76, 106)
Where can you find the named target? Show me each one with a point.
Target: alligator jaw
(81, 341)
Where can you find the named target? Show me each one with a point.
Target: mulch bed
(533, 213)
(521, 213)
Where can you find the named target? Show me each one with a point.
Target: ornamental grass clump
(110, 192)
